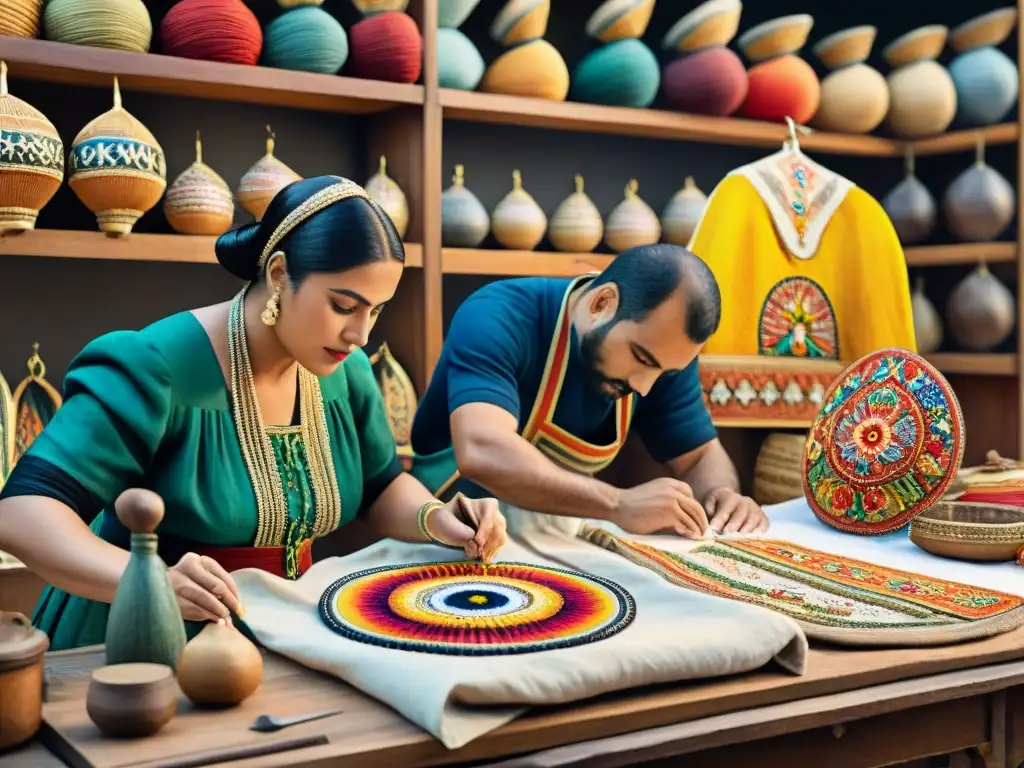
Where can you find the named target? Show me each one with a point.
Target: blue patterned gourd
(117, 168)
(31, 160)
(307, 39)
(986, 79)
(623, 72)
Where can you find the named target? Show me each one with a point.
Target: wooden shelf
(470, 261)
(153, 73)
(963, 141)
(960, 253)
(76, 244)
(974, 363)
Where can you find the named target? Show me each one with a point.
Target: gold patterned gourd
(20, 18)
(31, 160)
(631, 222)
(199, 201)
(927, 323)
(910, 206)
(35, 402)
(981, 311)
(576, 225)
(517, 222)
(263, 180)
(386, 192)
(979, 204)
(400, 399)
(682, 213)
(854, 96)
(117, 168)
(922, 96)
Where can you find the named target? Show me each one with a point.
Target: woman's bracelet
(422, 518)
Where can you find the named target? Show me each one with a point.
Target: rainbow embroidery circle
(797, 320)
(885, 446)
(471, 609)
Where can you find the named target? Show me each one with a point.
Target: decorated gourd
(927, 323)
(399, 395)
(980, 204)
(212, 30)
(31, 160)
(622, 72)
(117, 168)
(452, 13)
(517, 222)
(911, 207)
(20, 18)
(986, 79)
(386, 45)
(531, 67)
(631, 222)
(683, 212)
(707, 78)
(854, 97)
(464, 220)
(306, 39)
(922, 97)
(34, 403)
(781, 84)
(199, 201)
(123, 25)
(459, 63)
(389, 196)
(219, 667)
(263, 180)
(576, 225)
(981, 311)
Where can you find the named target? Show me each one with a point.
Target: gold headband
(343, 190)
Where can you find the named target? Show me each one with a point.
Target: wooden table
(852, 709)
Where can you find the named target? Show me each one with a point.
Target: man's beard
(590, 357)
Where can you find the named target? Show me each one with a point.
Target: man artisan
(541, 380)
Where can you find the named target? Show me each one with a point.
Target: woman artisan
(258, 421)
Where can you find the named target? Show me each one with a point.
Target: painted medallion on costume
(797, 320)
(473, 609)
(886, 445)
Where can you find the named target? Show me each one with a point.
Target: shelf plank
(974, 363)
(77, 244)
(154, 73)
(960, 253)
(962, 141)
(471, 261)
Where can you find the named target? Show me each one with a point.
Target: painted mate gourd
(576, 225)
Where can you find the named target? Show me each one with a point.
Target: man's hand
(664, 504)
(731, 512)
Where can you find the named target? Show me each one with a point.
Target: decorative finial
(579, 184)
(383, 166)
(270, 140)
(632, 188)
(117, 93)
(460, 176)
(979, 149)
(199, 148)
(3, 78)
(517, 179)
(908, 159)
(689, 183)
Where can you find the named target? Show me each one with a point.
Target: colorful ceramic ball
(781, 87)
(712, 81)
(620, 74)
(987, 86)
(387, 47)
(212, 30)
(459, 63)
(307, 39)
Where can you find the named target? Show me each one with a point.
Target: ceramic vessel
(389, 196)
(517, 222)
(624, 73)
(922, 96)
(199, 201)
(970, 531)
(927, 323)
(979, 204)
(981, 311)
(986, 79)
(535, 70)
(631, 222)
(219, 667)
(32, 166)
(576, 225)
(681, 216)
(464, 220)
(22, 649)
(911, 207)
(263, 180)
(130, 701)
(781, 84)
(778, 471)
(117, 168)
(854, 96)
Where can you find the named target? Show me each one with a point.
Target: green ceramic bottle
(145, 623)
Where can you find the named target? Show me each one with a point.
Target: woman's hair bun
(238, 251)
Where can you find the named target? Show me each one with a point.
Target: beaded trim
(258, 453)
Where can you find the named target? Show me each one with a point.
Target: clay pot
(264, 179)
(927, 323)
(980, 204)
(576, 226)
(132, 700)
(781, 84)
(911, 207)
(219, 667)
(922, 97)
(854, 97)
(22, 648)
(981, 311)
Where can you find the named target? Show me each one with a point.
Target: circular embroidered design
(797, 320)
(885, 446)
(472, 609)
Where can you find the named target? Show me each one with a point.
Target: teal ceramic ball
(987, 85)
(459, 64)
(621, 74)
(451, 13)
(307, 39)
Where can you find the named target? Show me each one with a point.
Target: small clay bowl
(917, 45)
(711, 23)
(132, 700)
(965, 530)
(990, 28)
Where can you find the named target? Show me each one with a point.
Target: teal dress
(151, 409)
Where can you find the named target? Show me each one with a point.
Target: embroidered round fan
(472, 609)
(885, 446)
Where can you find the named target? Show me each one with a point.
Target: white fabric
(676, 635)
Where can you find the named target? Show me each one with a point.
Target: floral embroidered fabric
(797, 320)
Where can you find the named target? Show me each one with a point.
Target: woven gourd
(199, 202)
(307, 39)
(20, 18)
(212, 30)
(31, 160)
(263, 180)
(117, 168)
(387, 46)
(119, 24)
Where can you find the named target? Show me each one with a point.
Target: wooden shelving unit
(468, 261)
(961, 253)
(975, 364)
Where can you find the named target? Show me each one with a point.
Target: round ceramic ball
(987, 86)
(307, 39)
(212, 30)
(459, 63)
(708, 82)
(386, 47)
(782, 87)
(620, 74)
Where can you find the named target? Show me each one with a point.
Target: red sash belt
(269, 559)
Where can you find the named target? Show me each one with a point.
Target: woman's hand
(205, 591)
(475, 525)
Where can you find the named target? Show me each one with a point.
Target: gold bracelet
(421, 521)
